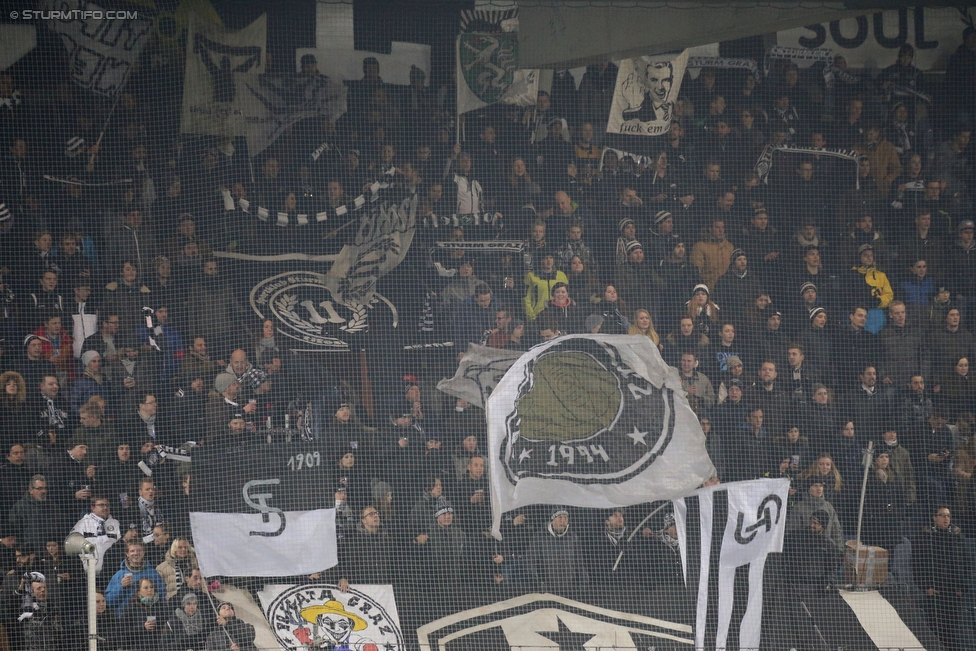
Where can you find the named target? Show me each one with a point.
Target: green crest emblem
(488, 63)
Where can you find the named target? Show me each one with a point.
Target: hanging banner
(644, 97)
(320, 616)
(873, 40)
(215, 58)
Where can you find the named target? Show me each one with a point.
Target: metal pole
(866, 460)
(89, 562)
(634, 533)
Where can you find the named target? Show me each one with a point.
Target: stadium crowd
(823, 306)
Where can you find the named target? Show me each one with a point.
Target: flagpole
(97, 145)
(636, 529)
(866, 460)
(210, 599)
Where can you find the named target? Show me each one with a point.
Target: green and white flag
(488, 72)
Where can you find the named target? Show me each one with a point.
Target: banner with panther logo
(320, 616)
(487, 72)
(594, 421)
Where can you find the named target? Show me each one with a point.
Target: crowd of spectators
(810, 315)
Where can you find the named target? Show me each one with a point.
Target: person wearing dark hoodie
(612, 308)
(813, 554)
(568, 314)
(555, 558)
(230, 634)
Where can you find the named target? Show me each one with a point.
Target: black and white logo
(582, 414)
(319, 616)
(302, 306)
(546, 621)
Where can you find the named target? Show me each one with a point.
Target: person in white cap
(555, 558)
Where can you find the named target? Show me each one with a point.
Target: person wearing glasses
(34, 518)
(100, 528)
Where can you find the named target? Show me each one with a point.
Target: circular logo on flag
(321, 617)
(303, 308)
(581, 413)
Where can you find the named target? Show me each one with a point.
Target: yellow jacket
(878, 282)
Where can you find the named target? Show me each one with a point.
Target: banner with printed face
(320, 616)
(643, 100)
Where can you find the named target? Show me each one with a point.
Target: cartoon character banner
(319, 616)
(643, 100)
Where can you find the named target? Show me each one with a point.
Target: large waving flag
(593, 421)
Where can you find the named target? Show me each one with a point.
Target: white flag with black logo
(262, 511)
(595, 421)
(478, 373)
(644, 97)
(216, 59)
(721, 529)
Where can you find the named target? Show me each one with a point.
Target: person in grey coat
(799, 516)
(555, 558)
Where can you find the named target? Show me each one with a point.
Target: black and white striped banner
(721, 529)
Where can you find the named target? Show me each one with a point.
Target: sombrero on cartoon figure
(333, 607)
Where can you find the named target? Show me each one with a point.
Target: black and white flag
(595, 421)
(216, 58)
(262, 511)
(103, 46)
(721, 529)
(646, 91)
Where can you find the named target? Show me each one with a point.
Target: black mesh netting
(242, 243)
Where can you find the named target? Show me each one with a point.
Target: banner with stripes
(721, 529)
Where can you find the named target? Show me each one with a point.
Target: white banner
(643, 100)
(872, 40)
(241, 544)
(594, 421)
(319, 616)
(215, 60)
(720, 529)
(101, 51)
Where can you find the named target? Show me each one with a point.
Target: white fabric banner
(873, 40)
(726, 527)
(647, 88)
(478, 373)
(244, 544)
(101, 51)
(215, 60)
(594, 421)
(320, 616)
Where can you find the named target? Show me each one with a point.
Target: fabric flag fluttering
(251, 511)
(720, 529)
(644, 97)
(478, 373)
(101, 53)
(593, 421)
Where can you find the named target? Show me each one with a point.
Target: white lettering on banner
(873, 40)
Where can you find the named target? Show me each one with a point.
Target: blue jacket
(117, 596)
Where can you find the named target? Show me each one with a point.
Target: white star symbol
(526, 453)
(638, 436)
